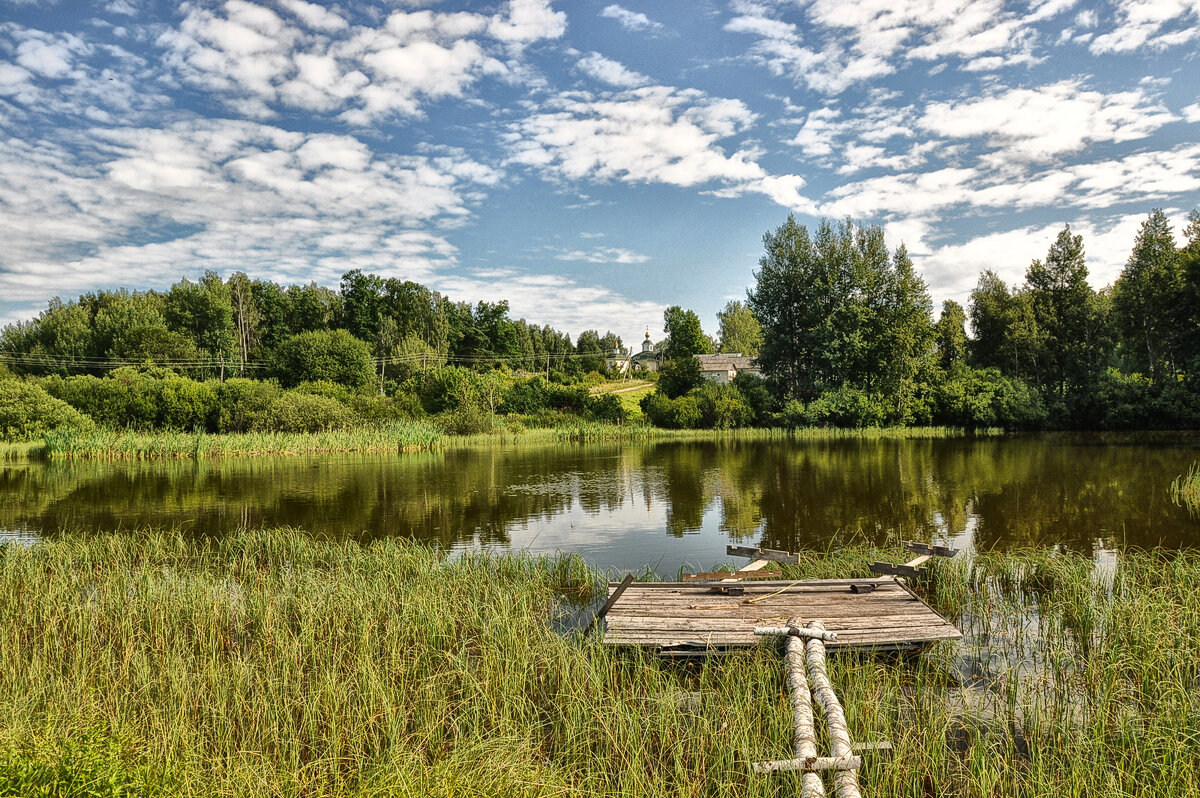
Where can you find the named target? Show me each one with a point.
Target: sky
(590, 162)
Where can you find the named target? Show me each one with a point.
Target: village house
(722, 368)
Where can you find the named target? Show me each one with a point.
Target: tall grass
(105, 444)
(108, 444)
(1185, 489)
(269, 663)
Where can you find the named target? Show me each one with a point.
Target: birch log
(846, 781)
(802, 714)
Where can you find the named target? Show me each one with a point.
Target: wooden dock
(686, 618)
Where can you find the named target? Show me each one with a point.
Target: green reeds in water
(270, 663)
(1185, 489)
(104, 444)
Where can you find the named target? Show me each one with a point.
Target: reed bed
(108, 444)
(105, 444)
(270, 663)
(1185, 489)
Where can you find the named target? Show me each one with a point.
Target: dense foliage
(842, 330)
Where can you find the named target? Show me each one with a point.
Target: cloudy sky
(592, 162)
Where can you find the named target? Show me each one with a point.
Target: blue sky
(591, 162)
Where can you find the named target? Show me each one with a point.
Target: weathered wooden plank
(846, 582)
(916, 547)
(748, 624)
(612, 599)
(808, 764)
(757, 565)
(731, 576)
(774, 555)
(895, 569)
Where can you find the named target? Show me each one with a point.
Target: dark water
(666, 505)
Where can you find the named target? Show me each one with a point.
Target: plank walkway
(689, 617)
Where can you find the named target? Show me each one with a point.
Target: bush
(305, 412)
(449, 388)
(143, 399)
(27, 412)
(977, 398)
(333, 355)
(467, 421)
(847, 406)
(244, 403)
(525, 397)
(378, 410)
(606, 408)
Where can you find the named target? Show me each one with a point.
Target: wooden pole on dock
(846, 781)
(802, 714)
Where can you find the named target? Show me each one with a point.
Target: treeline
(242, 327)
(242, 355)
(848, 339)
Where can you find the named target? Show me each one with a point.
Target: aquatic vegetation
(1185, 489)
(270, 663)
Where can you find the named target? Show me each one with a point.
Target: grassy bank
(105, 444)
(272, 664)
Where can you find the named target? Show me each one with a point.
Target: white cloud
(1038, 124)
(952, 270)
(1192, 112)
(603, 255)
(257, 61)
(140, 206)
(1137, 178)
(654, 134)
(1154, 23)
(632, 20)
(611, 72)
(848, 43)
(558, 301)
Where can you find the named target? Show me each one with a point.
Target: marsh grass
(269, 663)
(104, 444)
(1185, 489)
(107, 444)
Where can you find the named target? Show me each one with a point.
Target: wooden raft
(681, 618)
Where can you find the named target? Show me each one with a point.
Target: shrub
(144, 399)
(606, 408)
(305, 412)
(244, 403)
(847, 406)
(467, 421)
(27, 411)
(525, 397)
(975, 398)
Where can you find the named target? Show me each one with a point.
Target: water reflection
(633, 505)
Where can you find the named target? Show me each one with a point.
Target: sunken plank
(677, 616)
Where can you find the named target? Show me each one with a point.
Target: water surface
(629, 506)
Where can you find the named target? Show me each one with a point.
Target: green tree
(203, 311)
(951, 334)
(333, 355)
(739, 331)
(1189, 327)
(590, 351)
(1066, 310)
(685, 337)
(836, 310)
(1147, 297)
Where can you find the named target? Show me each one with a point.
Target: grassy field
(269, 663)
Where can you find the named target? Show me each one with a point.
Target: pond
(665, 506)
